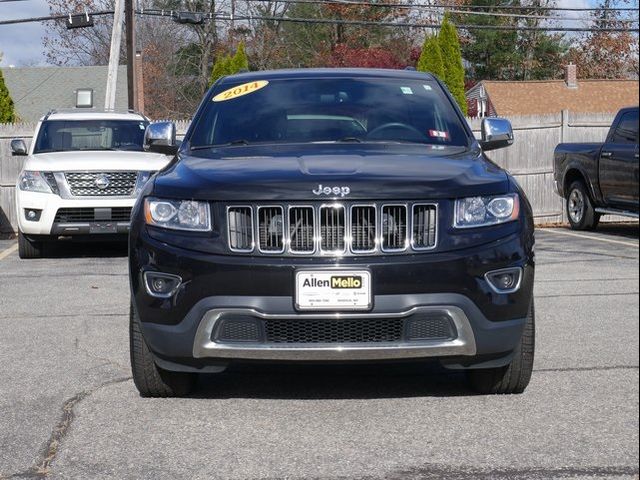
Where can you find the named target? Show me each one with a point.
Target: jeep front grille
(332, 229)
(101, 184)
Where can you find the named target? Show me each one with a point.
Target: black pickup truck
(331, 216)
(600, 178)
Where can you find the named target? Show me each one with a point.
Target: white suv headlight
(483, 211)
(30, 181)
(178, 214)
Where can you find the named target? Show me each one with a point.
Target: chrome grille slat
(424, 226)
(83, 184)
(271, 229)
(341, 228)
(332, 228)
(363, 228)
(240, 224)
(394, 228)
(302, 229)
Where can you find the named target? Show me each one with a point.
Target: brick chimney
(139, 100)
(571, 75)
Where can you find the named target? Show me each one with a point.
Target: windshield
(329, 110)
(65, 135)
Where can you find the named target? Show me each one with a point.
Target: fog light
(161, 285)
(32, 214)
(506, 280)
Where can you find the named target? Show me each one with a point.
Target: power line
(227, 17)
(334, 21)
(347, 3)
(51, 17)
(436, 9)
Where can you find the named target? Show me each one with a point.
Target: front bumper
(49, 204)
(180, 331)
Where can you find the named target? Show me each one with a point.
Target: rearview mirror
(161, 138)
(496, 133)
(18, 147)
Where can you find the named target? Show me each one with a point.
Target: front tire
(580, 210)
(28, 248)
(149, 379)
(512, 378)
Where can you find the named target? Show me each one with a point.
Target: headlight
(30, 181)
(178, 214)
(483, 211)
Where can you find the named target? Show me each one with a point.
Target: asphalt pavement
(68, 407)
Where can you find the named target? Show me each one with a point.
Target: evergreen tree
(7, 112)
(452, 59)
(431, 58)
(228, 65)
(240, 60)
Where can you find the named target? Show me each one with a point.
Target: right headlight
(188, 215)
(30, 181)
(484, 211)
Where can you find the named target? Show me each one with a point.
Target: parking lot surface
(68, 407)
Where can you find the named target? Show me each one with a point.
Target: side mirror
(496, 133)
(18, 147)
(161, 138)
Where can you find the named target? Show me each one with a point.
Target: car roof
(92, 115)
(326, 73)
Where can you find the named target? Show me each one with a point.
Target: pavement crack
(42, 467)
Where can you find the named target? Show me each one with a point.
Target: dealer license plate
(333, 290)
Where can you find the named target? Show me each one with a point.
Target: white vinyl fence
(530, 159)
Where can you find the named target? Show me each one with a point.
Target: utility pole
(130, 22)
(114, 56)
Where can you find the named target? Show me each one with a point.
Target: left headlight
(178, 214)
(484, 211)
(30, 181)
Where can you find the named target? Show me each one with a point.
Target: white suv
(81, 177)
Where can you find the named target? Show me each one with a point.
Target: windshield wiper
(349, 140)
(232, 143)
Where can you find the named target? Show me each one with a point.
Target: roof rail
(92, 110)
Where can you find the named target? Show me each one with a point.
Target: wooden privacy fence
(530, 159)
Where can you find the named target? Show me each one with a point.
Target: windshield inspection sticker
(406, 90)
(439, 134)
(240, 90)
(427, 88)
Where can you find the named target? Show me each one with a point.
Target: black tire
(512, 378)
(28, 248)
(149, 379)
(580, 210)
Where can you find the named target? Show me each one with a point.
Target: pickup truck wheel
(580, 210)
(29, 248)
(149, 379)
(512, 378)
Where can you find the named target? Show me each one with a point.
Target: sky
(21, 44)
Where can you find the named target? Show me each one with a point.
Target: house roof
(36, 90)
(542, 97)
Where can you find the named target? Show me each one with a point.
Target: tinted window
(64, 135)
(627, 130)
(329, 110)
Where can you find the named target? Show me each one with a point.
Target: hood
(111, 160)
(243, 174)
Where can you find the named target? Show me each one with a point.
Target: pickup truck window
(627, 129)
(66, 135)
(329, 110)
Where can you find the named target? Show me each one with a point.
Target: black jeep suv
(331, 216)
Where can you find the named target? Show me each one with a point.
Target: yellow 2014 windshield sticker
(240, 90)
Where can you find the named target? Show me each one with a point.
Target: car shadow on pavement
(624, 230)
(68, 248)
(334, 382)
